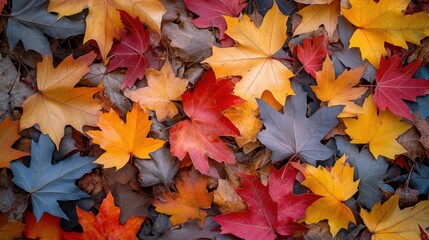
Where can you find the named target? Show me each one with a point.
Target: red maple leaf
(211, 14)
(273, 209)
(133, 52)
(200, 134)
(395, 83)
(312, 52)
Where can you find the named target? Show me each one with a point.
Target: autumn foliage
(214, 119)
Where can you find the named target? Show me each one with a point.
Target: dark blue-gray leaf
(293, 133)
(371, 172)
(49, 183)
(29, 21)
(420, 178)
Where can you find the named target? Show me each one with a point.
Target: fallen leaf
(10, 230)
(200, 134)
(8, 136)
(312, 52)
(340, 91)
(378, 130)
(103, 22)
(57, 103)
(163, 89)
(57, 183)
(293, 133)
(253, 57)
(29, 22)
(317, 14)
(335, 187)
(189, 201)
(420, 178)
(191, 230)
(106, 224)
(395, 84)
(133, 50)
(227, 199)
(211, 15)
(315, 1)
(124, 140)
(12, 198)
(384, 21)
(388, 221)
(160, 169)
(47, 227)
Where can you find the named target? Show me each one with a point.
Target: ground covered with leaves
(214, 119)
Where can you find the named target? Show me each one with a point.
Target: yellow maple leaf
(340, 91)
(123, 140)
(189, 201)
(379, 131)
(103, 22)
(8, 136)
(335, 187)
(244, 117)
(252, 58)
(384, 22)
(57, 103)
(163, 88)
(317, 14)
(388, 222)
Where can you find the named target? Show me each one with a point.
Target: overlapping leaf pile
(220, 119)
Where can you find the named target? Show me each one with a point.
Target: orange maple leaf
(48, 227)
(9, 135)
(123, 140)
(189, 201)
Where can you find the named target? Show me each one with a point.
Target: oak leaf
(56, 102)
(384, 21)
(106, 224)
(211, 15)
(200, 134)
(103, 22)
(133, 50)
(378, 130)
(124, 140)
(317, 14)
(10, 230)
(312, 52)
(335, 187)
(48, 227)
(189, 201)
(163, 88)
(253, 57)
(387, 221)
(340, 91)
(8, 136)
(396, 84)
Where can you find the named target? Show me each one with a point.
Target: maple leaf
(163, 88)
(317, 14)
(199, 135)
(29, 22)
(312, 52)
(10, 230)
(335, 187)
(133, 51)
(253, 57)
(124, 140)
(384, 21)
(396, 83)
(387, 221)
(8, 136)
(211, 15)
(379, 131)
(103, 22)
(189, 200)
(340, 91)
(48, 227)
(314, 1)
(57, 183)
(106, 224)
(273, 209)
(57, 103)
(293, 133)
(244, 117)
